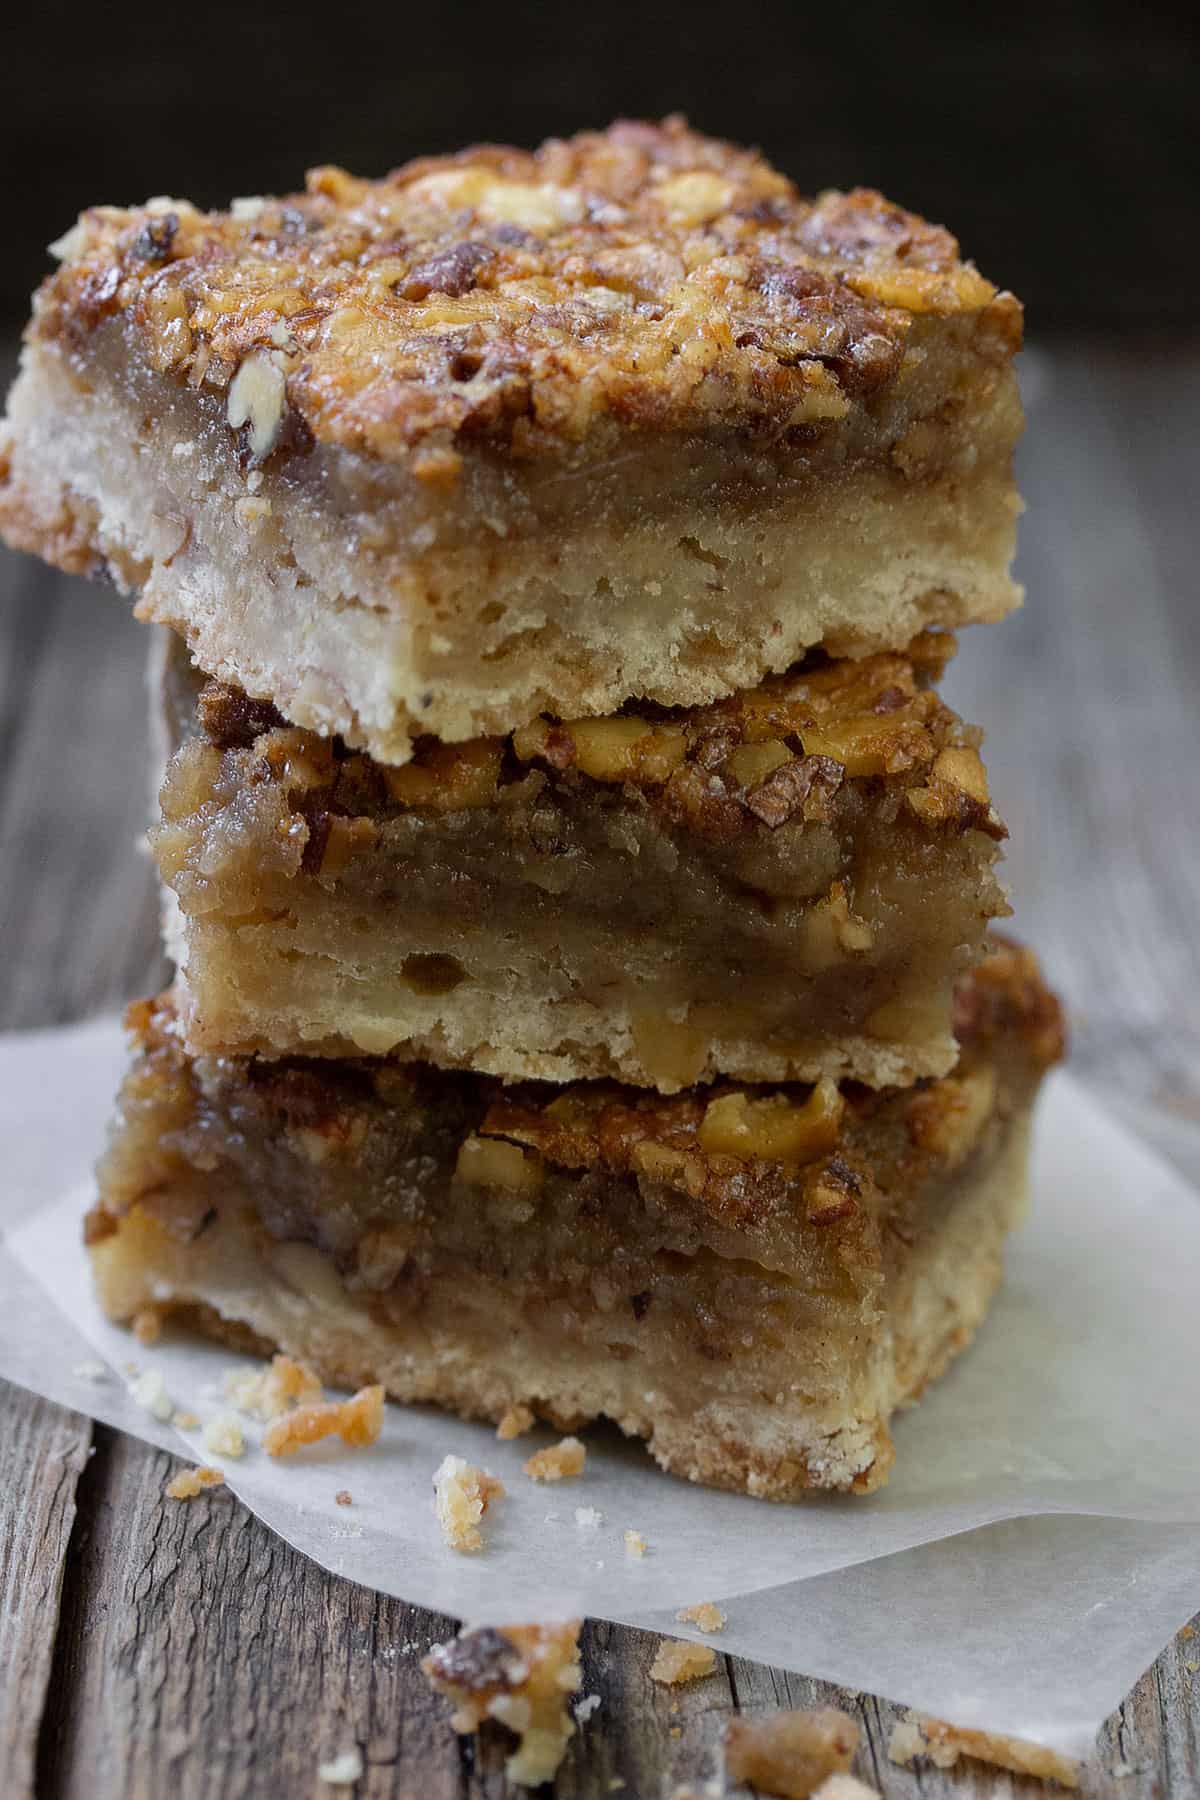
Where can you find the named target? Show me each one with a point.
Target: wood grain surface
(151, 1651)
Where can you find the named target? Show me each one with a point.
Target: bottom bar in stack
(751, 1279)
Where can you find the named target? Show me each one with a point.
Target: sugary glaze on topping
(644, 277)
(766, 755)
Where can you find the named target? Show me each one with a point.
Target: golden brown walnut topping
(947, 1118)
(775, 1128)
(491, 1162)
(641, 278)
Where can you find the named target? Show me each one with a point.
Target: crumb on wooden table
(190, 1482)
(790, 1753)
(916, 1734)
(704, 1615)
(515, 1423)
(523, 1677)
(357, 1421)
(223, 1435)
(678, 1661)
(269, 1391)
(462, 1494)
(150, 1393)
(343, 1770)
(557, 1462)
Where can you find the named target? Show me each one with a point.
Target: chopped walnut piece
(790, 1753)
(271, 1391)
(678, 1662)
(704, 1615)
(147, 1325)
(357, 1421)
(190, 1482)
(918, 1735)
(774, 1128)
(462, 1494)
(515, 1423)
(522, 1677)
(557, 1461)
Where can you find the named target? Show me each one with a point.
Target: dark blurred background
(1055, 140)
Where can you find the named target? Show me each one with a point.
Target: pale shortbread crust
(676, 572)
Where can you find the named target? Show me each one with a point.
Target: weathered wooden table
(151, 1650)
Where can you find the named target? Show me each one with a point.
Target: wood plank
(43, 1451)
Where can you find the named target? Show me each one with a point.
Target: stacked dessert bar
(578, 888)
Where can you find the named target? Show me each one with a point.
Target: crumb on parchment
(190, 1482)
(916, 1735)
(557, 1462)
(704, 1615)
(90, 1371)
(269, 1391)
(462, 1494)
(150, 1393)
(522, 1676)
(223, 1435)
(790, 1753)
(515, 1423)
(344, 1497)
(588, 1518)
(677, 1662)
(635, 1543)
(357, 1421)
(147, 1325)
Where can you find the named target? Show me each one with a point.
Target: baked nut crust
(782, 885)
(582, 1251)
(625, 417)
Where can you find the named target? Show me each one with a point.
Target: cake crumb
(919, 1735)
(462, 1495)
(588, 1517)
(184, 1419)
(704, 1615)
(147, 1325)
(521, 1676)
(224, 1436)
(677, 1662)
(150, 1393)
(270, 1391)
(344, 1497)
(90, 1371)
(515, 1423)
(790, 1753)
(557, 1461)
(190, 1482)
(635, 1544)
(344, 1769)
(845, 1787)
(357, 1421)
(586, 1707)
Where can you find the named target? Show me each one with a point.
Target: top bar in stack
(624, 418)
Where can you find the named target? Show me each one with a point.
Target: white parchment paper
(1050, 1484)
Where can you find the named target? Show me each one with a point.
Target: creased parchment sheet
(1051, 1481)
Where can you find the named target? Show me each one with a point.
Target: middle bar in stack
(780, 886)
